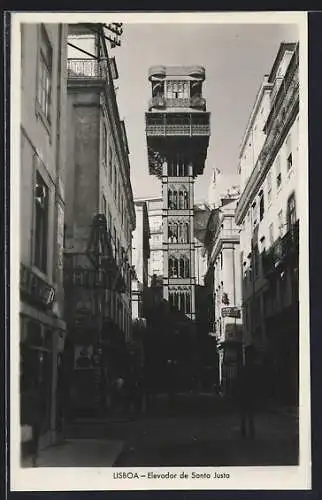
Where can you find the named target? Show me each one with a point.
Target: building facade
(177, 130)
(42, 206)
(224, 283)
(100, 218)
(268, 218)
(140, 258)
(201, 216)
(155, 264)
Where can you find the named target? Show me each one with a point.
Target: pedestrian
(139, 391)
(131, 390)
(117, 393)
(247, 395)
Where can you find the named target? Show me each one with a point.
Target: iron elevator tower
(177, 132)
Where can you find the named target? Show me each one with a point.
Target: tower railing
(177, 129)
(161, 101)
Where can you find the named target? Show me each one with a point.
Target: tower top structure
(177, 123)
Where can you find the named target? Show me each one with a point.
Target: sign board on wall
(230, 312)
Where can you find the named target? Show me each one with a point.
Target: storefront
(283, 349)
(42, 337)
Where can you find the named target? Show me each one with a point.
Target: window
(183, 232)
(41, 223)
(177, 89)
(261, 205)
(256, 261)
(289, 161)
(280, 223)
(115, 181)
(254, 213)
(269, 187)
(104, 139)
(172, 199)
(104, 205)
(271, 234)
(172, 232)
(110, 164)
(119, 197)
(278, 172)
(289, 157)
(45, 74)
(179, 267)
(263, 244)
(122, 211)
(291, 211)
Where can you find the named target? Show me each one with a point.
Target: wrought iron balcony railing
(87, 69)
(282, 252)
(179, 129)
(34, 288)
(276, 87)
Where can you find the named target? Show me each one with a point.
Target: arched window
(170, 266)
(172, 232)
(183, 302)
(182, 267)
(180, 233)
(186, 200)
(187, 268)
(291, 211)
(176, 299)
(169, 198)
(173, 267)
(172, 199)
(183, 233)
(175, 199)
(188, 303)
(186, 232)
(181, 199)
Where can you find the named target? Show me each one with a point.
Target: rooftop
(160, 71)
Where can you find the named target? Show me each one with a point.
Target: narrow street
(201, 430)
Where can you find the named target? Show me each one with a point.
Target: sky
(235, 56)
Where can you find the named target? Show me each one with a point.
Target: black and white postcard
(159, 323)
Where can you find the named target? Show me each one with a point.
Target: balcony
(35, 289)
(180, 123)
(162, 102)
(110, 269)
(177, 129)
(283, 253)
(275, 89)
(84, 69)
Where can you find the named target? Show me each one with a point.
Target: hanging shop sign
(230, 312)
